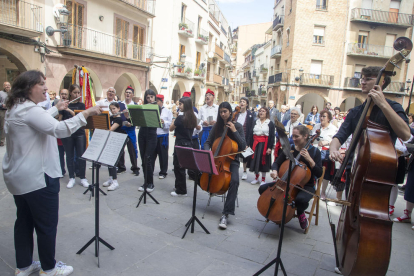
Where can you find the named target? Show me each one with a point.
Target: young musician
(183, 126)
(116, 126)
(162, 138)
(312, 158)
(385, 112)
(261, 142)
(147, 141)
(208, 116)
(246, 119)
(77, 141)
(234, 132)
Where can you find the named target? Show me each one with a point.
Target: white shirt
(207, 111)
(261, 129)
(166, 115)
(46, 104)
(126, 105)
(289, 127)
(242, 118)
(105, 103)
(31, 149)
(327, 133)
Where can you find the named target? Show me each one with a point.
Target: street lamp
(63, 20)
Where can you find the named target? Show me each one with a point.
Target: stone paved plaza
(147, 239)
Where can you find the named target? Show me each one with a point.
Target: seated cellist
(312, 158)
(234, 132)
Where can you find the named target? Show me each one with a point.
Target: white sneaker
(34, 267)
(161, 176)
(60, 269)
(175, 194)
(254, 182)
(108, 182)
(114, 185)
(262, 182)
(71, 183)
(244, 176)
(84, 182)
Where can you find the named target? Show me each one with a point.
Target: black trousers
(162, 152)
(230, 204)
(132, 157)
(62, 158)
(37, 210)
(302, 199)
(147, 142)
(195, 145)
(71, 144)
(179, 173)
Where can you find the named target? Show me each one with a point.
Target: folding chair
(315, 203)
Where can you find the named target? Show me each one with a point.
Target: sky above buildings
(245, 12)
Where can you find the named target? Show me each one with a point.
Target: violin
(270, 203)
(363, 239)
(225, 150)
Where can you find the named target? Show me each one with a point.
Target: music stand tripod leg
(145, 193)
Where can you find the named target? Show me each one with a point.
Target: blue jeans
(37, 210)
(71, 144)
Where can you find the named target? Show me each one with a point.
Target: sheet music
(113, 147)
(96, 144)
(247, 152)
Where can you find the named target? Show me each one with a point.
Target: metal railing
(214, 10)
(186, 71)
(382, 16)
(264, 68)
(279, 77)
(316, 80)
(394, 86)
(21, 14)
(352, 82)
(217, 79)
(227, 58)
(262, 92)
(186, 27)
(371, 50)
(246, 63)
(95, 41)
(277, 50)
(145, 5)
(203, 35)
(200, 73)
(279, 20)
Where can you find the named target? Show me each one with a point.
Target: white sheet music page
(96, 144)
(113, 147)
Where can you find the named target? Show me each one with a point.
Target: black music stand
(199, 161)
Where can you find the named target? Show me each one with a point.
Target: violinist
(312, 159)
(385, 112)
(235, 133)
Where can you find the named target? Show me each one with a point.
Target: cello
(363, 239)
(225, 150)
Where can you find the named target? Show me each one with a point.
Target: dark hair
(72, 87)
(246, 100)
(114, 104)
(337, 108)
(329, 114)
(267, 112)
(370, 71)
(21, 87)
(190, 120)
(328, 103)
(219, 126)
(148, 92)
(304, 131)
(410, 115)
(314, 106)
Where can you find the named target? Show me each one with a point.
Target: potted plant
(188, 71)
(197, 72)
(182, 26)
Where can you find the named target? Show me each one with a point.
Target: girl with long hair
(183, 126)
(234, 132)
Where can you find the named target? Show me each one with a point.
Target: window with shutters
(322, 5)
(363, 39)
(74, 36)
(121, 33)
(137, 42)
(9, 12)
(318, 35)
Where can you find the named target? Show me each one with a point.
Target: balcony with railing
(20, 18)
(147, 6)
(276, 52)
(199, 74)
(202, 37)
(308, 79)
(262, 92)
(218, 52)
(83, 41)
(382, 17)
(186, 28)
(278, 22)
(278, 78)
(393, 87)
(185, 71)
(227, 58)
(264, 68)
(368, 50)
(217, 79)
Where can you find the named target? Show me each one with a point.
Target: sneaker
(136, 172)
(303, 221)
(60, 269)
(34, 267)
(244, 176)
(161, 176)
(90, 167)
(71, 183)
(175, 194)
(404, 218)
(119, 171)
(150, 188)
(223, 222)
(254, 182)
(262, 182)
(114, 185)
(141, 189)
(84, 182)
(391, 210)
(108, 182)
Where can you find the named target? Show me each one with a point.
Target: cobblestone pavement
(147, 239)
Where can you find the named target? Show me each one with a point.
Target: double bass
(363, 238)
(225, 150)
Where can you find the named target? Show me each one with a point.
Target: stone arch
(96, 83)
(125, 80)
(220, 97)
(360, 96)
(350, 102)
(15, 58)
(196, 94)
(319, 93)
(178, 90)
(310, 99)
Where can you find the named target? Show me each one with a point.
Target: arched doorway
(220, 97)
(349, 103)
(13, 66)
(309, 100)
(125, 80)
(178, 91)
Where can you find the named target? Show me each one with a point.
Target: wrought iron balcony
(276, 52)
(144, 5)
(316, 80)
(202, 37)
(368, 50)
(278, 22)
(382, 17)
(186, 28)
(186, 71)
(262, 92)
(278, 78)
(352, 83)
(20, 18)
(84, 41)
(199, 74)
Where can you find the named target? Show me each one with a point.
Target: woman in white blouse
(262, 144)
(295, 113)
(328, 131)
(31, 170)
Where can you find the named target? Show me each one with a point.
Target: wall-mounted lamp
(63, 20)
(300, 74)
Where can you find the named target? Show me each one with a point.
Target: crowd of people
(43, 127)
